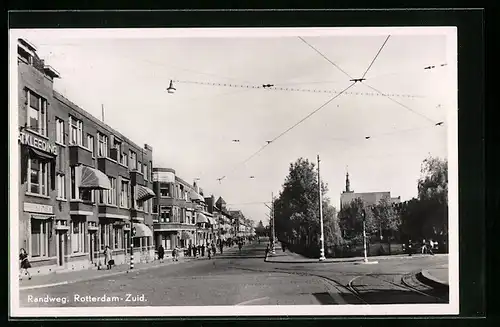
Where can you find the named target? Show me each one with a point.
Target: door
(61, 246)
(91, 247)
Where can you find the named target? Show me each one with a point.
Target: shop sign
(38, 208)
(37, 142)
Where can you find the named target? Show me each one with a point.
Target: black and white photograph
(233, 172)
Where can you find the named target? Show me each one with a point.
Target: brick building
(83, 185)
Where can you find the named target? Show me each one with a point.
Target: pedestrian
(195, 254)
(240, 245)
(214, 248)
(174, 254)
(431, 246)
(203, 250)
(267, 252)
(108, 257)
(424, 247)
(190, 250)
(283, 246)
(221, 247)
(25, 264)
(161, 253)
(209, 252)
(409, 248)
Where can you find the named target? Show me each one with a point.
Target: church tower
(347, 184)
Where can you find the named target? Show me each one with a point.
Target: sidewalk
(436, 277)
(290, 257)
(69, 277)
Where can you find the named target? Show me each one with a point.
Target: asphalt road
(245, 279)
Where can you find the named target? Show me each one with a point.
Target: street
(246, 279)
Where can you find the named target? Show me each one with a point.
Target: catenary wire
(376, 56)
(289, 129)
(401, 104)
(334, 64)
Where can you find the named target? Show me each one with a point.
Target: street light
(322, 240)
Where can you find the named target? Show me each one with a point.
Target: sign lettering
(38, 208)
(38, 143)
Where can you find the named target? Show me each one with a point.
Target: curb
(95, 277)
(346, 260)
(426, 278)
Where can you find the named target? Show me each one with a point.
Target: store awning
(41, 154)
(195, 196)
(94, 179)
(144, 193)
(201, 218)
(41, 217)
(142, 230)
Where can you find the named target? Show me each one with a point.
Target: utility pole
(322, 239)
(273, 250)
(364, 236)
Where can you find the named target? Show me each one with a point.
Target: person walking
(221, 247)
(209, 252)
(25, 264)
(195, 253)
(108, 257)
(214, 248)
(267, 252)
(161, 253)
(174, 254)
(203, 250)
(190, 250)
(240, 245)
(424, 247)
(431, 247)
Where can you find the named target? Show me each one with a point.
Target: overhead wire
(376, 56)
(289, 129)
(322, 55)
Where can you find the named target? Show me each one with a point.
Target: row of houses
(84, 186)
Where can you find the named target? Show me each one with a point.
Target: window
(87, 195)
(103, 145)
(61, 158)
(105, 235)
(61, 186)
(133, 160)
(165, 191)
(124, 160)
(165, 214)
(40, 233)
(59, 130)
(112, 192)
(37, 112)
(24, 55)
(90, 144)
(74, 187)
(140, 205)
(118, 238)
(38, 177)
(75, 131)
(108, 196)
(124, 194)
(117, 153)
(145, 172)
(78, 236)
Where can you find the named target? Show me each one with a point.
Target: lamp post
(364, 236)
(273, 249)
(322, 239)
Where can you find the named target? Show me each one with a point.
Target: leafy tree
(297, 208)
(260, 230)
(387, 219)
(351, 219)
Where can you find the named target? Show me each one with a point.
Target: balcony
(136, 177)
(163, 226)
(80, 155)
(106, 211)
(81, 208)
(111, 167)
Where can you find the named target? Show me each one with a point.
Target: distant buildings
(369, 198)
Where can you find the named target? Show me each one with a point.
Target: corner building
(83, 185)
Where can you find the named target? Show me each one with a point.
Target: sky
(192, 130)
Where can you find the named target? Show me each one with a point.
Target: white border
(310, 310)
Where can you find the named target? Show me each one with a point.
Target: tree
(260, 230)
(297, 207)
(387, 219)
(351, 219)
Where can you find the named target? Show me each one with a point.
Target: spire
(347, 183)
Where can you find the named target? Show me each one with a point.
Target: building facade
(181, 218)
(83, 185)
(369, 198)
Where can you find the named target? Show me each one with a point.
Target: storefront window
(118, 238)
(78, 236)
(40, 230)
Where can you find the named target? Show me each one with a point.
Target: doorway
(61, 252)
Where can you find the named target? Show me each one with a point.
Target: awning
(41, 154)
(142, 230)
(41, 217)
(196, 197)
(94, 179)
(201, 218)
(144, 193)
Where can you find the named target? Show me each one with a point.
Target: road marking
(252, 301)
(42, 286)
